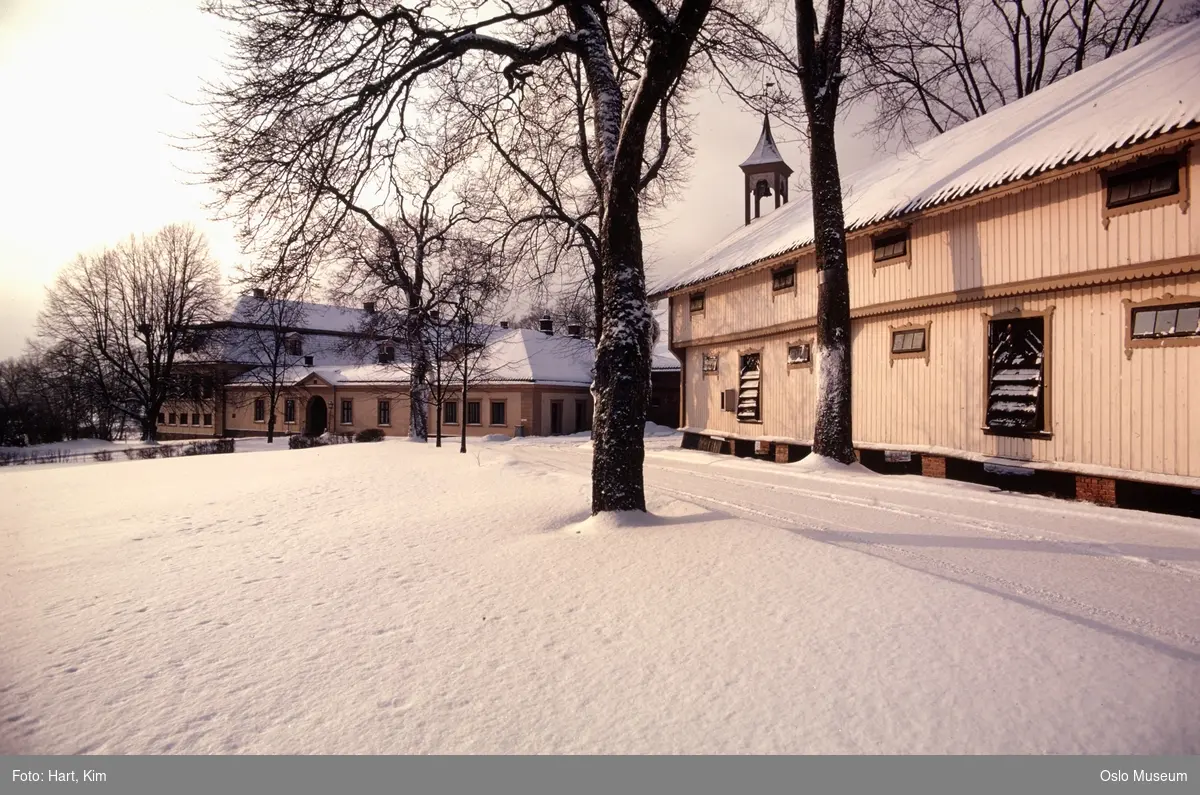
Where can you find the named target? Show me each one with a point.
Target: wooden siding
(1105, 408)
(1052, 228)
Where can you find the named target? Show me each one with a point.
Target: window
(799, 353)
(891, 245)
(208, 420)
(183, 417)
(1182, 320)
(260, 410)
(498, 412)
(387, 354)
(697, 302)
(450, 414)
(162, 418)
(1016, 370)
(172, 420)
(194, 387)
(473, 412)
(749, 377)
(709, 363)
(583, 420)
(196, 419)
(295, 347)
(783, 279)
(908, 341)
(347, 412)
(289, 410)
(385, 412)
(1143, 184)
(207, 385)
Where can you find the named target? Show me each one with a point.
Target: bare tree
(124, 314)
(321, 98)
(930, 65)
(820, 76)
(267, 337)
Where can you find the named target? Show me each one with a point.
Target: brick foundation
(1102, 491)
(933, 466)
(781, 453)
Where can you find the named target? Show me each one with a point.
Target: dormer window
(696, 301)
(891, 245)
(387, 354)
(295, 346)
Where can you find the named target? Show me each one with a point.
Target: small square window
(710, 363)
(783, 279)
(891, 245)
(474, 413)
(450, 414)
(696, 301)
(498, 413)
(801, 353)
(208, 420)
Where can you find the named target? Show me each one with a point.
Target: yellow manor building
(1025, 297)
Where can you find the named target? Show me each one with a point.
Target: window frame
(174, 420)
(183, 419)
(889, 237)
(783, 271)
(293, 345)
(704, 357)
(195, 419)
(450, 404)
(692, 307)
(492, 404)
(1166, 301)
(758, 403)
(260, 410)
(923, 353)
(1178, 158)
(1047, 316)
(478, 404)
(807, 364)
(208, 420)
(289, 411)
(383, 412)
(162, 418)
(346, 409)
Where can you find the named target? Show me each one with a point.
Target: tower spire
(765, 171)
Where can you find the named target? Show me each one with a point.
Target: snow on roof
(1130, 97)
(765, 153)
(316, 317)
(524, 355)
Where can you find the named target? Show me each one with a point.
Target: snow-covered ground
(395, 598)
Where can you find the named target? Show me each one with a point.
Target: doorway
(556, 417)
(318, 416)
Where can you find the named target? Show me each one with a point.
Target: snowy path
(396, 599)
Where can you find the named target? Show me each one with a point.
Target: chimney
(574, 330)
(369, 307)
(436, 314)
(546, 325)
(308, 361)
(504, 324)
(259, 293)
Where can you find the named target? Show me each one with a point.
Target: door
(318, 416)
(583, 421)
(556, 417)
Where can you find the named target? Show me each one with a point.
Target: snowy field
(394, 598)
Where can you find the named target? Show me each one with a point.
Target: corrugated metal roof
(1146, 91)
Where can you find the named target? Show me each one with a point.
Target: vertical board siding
(1052, 228)
(1104, 409)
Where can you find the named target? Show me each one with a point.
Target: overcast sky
(96, 96)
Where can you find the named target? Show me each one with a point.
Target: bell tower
(765, 171)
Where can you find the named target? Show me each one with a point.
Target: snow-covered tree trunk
(418, 392)
(820, 60)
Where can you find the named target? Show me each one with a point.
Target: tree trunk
(271, 426)
(418, 424)
(462, 419)
(622, 376)
(833, 436)
(149, 429)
